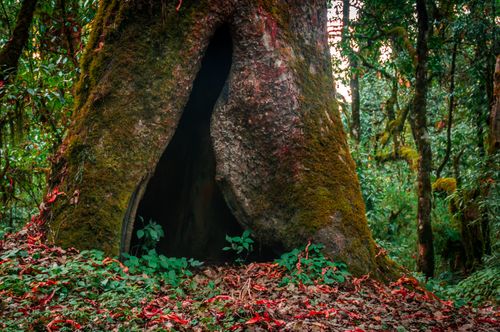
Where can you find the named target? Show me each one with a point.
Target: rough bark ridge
(495, 112)
(282, 161)
(425, 259)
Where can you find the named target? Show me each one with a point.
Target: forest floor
(46, 288)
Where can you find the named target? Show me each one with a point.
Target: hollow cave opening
(182, 195)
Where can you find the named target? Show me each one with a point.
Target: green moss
(108, 17)
(99, 152)
(448, 185)
(385, 138)
(403, 34)
(327, 192)
(410, 155)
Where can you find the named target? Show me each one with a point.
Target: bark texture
(495, 112)
(474, 228)
(282, 161)
(425, 258)
(451, 107)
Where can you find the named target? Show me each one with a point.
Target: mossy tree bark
(425, 258)
(474, 228)
(282, 161)
(495, 112)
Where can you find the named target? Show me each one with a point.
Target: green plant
(242, 246)
(149, 235)
(37, 101)
(480, 287)
(308, 265)
(170, 269)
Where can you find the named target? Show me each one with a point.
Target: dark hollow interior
(183, 196)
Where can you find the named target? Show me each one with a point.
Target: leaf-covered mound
(45, 288)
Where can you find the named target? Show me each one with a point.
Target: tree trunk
(261, 146)
(355, 126)
(11, 52)
(474, 233)
(451, 107)
(425, 258)
(494, 145)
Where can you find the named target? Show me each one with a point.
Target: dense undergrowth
(47, 288)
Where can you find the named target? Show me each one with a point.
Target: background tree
(355, 123)
(425, 260)
(36, 104)
(11, 51)
(387, 34)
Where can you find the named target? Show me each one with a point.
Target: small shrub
(242, 246)
(149, 235)
(308, 265)
(170, 269)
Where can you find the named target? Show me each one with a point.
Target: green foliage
(87, 277)
(388, 191)
(381, 37)
(242, 246)
(36, 105)
(171, 270)
(149, 235)
(478, 288)
(308, 265)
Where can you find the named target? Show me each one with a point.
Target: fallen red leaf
(218, 297)
(48, 298)
(312, 313)
(174, 318)
(259, 287)
(52, 325)
(488, 320)
(256, 319)
(52, 196)
(148, 313)
(4, 261)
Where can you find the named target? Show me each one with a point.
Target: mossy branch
(403, 34)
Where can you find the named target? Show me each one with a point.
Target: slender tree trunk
(11, 52)
(66, 31)
(451, 107)
(355, 100)
(353, 75)
(425, 258)
(494, 145)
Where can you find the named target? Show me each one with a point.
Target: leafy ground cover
(46, 288)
